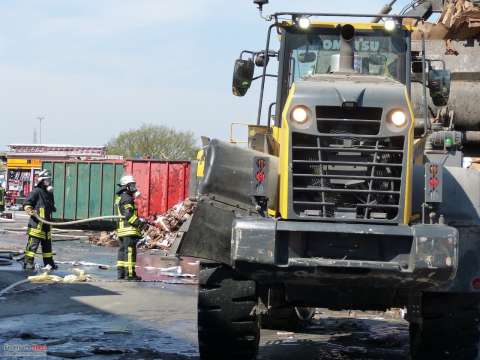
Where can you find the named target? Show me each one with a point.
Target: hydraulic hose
(77, 222)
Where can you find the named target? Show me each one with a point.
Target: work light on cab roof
(303, 22)
(390, 25)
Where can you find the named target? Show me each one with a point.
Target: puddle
(100, 263)
(86, 335)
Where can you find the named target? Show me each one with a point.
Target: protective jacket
(130, 224)
(42, 201)
(2, 199)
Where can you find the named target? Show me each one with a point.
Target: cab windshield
(377, 52)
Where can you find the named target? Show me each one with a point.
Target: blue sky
(94, 68)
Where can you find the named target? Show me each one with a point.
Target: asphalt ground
(109, 319)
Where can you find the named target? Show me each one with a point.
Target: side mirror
(242, 76)
(417, 67)
(439, 85)
(417, 63)
(307, 57)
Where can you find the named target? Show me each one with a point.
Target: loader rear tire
(227, 325)
(449, 330)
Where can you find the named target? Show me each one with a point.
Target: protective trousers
(127, 257)
(31, 250)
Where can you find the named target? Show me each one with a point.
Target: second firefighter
(129, 229)
(41, 202)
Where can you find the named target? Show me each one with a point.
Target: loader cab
(312, 49)
(314, 53)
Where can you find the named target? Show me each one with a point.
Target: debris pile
(108, 239)
(165, 227)
(460, 20)
(160, 234)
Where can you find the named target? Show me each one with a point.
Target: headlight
(398, 118)
(300, 115)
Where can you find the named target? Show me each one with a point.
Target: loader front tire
(227, 325)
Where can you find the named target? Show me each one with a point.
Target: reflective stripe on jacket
(43, 203)
(128, 226)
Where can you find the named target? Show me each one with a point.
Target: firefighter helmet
(44, 175)
(126, 180)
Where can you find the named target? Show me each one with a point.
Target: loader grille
(360, 120)
(347, 171)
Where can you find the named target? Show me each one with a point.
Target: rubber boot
(49, 261)
(121, 274)
(134, 277)
(28, 265)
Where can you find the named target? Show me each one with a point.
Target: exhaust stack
(347, 49)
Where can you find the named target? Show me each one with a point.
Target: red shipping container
(162, 184)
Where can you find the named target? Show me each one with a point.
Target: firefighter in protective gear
(41, 201)
(129, 228)
(2, 199)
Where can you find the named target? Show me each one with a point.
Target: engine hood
(365, 91)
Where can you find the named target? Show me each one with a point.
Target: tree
(154, 142)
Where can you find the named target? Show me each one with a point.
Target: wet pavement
(334, 335)
(108, 319)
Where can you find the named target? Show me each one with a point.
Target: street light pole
(40, 119)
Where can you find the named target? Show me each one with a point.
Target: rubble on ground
(160, 234)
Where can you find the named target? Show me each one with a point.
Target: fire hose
(76, 222)
(82, 221)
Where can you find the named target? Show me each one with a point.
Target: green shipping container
(84, 190)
